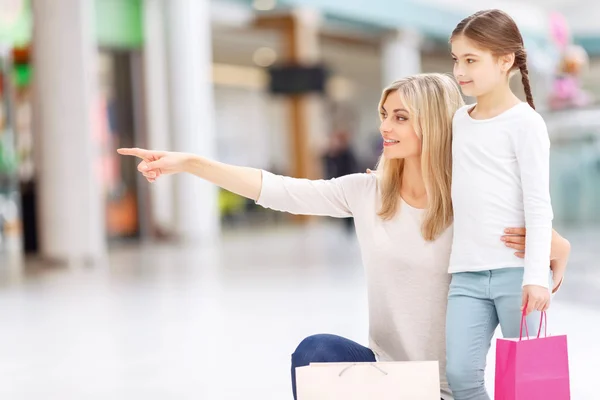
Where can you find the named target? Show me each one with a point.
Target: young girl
(500, 177)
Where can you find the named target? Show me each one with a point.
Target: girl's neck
(495, 102)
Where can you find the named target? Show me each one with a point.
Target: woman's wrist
(564, 250)
(561, 248)
(192, 163)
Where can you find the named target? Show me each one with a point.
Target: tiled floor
(218, 322)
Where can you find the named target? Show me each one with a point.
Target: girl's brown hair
(497, 32)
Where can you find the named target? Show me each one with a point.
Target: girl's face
(400, 138)
(477, 70)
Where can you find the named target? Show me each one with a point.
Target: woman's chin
(392, 154)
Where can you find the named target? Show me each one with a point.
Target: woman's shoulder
(359, 189)
(359, 183)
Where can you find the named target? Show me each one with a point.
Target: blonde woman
(403, 215)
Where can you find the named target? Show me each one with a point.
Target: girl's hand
(535, 298)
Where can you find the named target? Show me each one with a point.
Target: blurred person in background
(339, 160)
(403, 217)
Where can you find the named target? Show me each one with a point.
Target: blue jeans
(477, 302)
(328, 348)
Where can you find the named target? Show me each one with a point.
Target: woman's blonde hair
(431, 100)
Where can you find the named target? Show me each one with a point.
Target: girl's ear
(507, 62)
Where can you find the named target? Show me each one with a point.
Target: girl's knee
(463, 376)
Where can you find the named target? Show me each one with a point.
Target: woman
(403, 217)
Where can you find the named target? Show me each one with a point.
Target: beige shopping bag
(369, 381)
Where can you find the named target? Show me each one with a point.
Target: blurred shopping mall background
(111, 288)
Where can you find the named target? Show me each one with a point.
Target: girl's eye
(401, 118)
(470, 60)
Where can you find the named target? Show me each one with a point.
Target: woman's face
(399, 137)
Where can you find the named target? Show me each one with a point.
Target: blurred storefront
(117, 119)
(10, 222)
(215, 78)
(120, 108)
(16, 169)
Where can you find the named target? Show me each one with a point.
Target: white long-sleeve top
(407, 276)
(500, 178)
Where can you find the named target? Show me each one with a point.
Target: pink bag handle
(543, 320)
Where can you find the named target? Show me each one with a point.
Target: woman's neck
(413, 186)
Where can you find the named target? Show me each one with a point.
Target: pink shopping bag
(532, 369)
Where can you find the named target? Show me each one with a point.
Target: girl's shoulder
(531, 115)
(527, 119)
(464, 110)
(462, 113)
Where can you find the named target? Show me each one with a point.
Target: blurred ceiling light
(264, 57)
(340, 88)
(264, 5)
(241, 77)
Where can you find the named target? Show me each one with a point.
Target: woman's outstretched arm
(297, 196)
(243, 181)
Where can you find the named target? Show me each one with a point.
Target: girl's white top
(500, 178)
